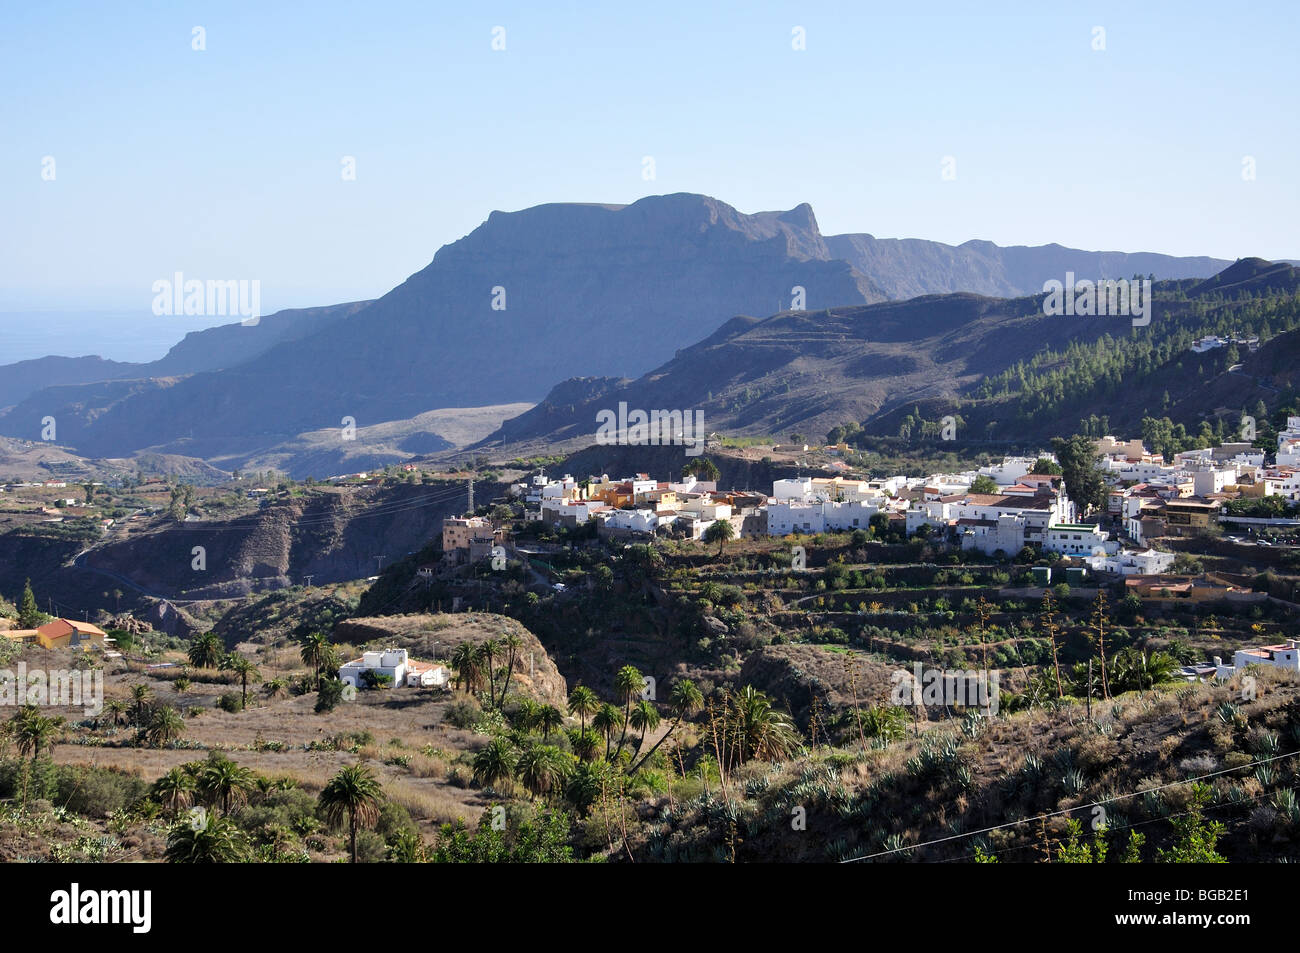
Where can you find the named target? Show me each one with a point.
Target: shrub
(231, 702)
(464, 713)
(95, 791)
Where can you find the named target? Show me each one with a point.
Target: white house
(426, 675)
(1280, 656)
(788, 517)
(1075, 539)
(792, 489)
(630, 521)
(390, 662)
(1147, 562)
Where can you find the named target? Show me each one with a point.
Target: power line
(1043, 817)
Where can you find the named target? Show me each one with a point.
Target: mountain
(576, 288)
(872, 365)
(207, 350)
(908, 267)
(550, 293)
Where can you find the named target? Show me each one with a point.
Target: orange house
(65, 633)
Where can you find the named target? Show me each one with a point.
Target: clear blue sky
(225, 163)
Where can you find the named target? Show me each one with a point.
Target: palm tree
(206, 651)
(485, 652)
(117, 710)
(34, 731)
(527, 715)
(703, 469)
(606, 722)
(548, 719)
(684, 699)
(174, 790)
(140, 695)
(276, 687)
(585, 744)
(630, 683)
(512, 643)
(165, 726)
(583, 703)
(542, 769)
(1135, 670)
(218, 841)
(224, 783)
(645, 719)
(760, 730)
(466, 666)
(315, 650)
(719, 531)
(494, 763)
(354, 794)
(246, 670)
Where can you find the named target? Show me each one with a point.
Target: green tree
(315, 651)
(206, 651)
(1195, 839)
(759, 730)
(702, 469)
(984, 484)
(354, 796)
(630, 683)
(165, 726)
(223, 783)
(606, 721)
(494, 763)
(684, 700)
(174, 791)
(583, 703)
(466, 664)
(217, 840)
(645, 719)
(542, 769)
(246, 670)
(29, 616)
(549, 718)
(1084, 483)
(719, 531)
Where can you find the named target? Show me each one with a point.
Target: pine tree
(29, 616)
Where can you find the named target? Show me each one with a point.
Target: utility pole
(379, 563)
(309, 575)
(471, 496)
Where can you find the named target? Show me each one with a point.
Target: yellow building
(65, 633)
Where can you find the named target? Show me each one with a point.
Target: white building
(1075, 539)
(390, 662)
(800, 490)
(1004, 536)
(1128, 562)
(1280, 656)
(630, 521)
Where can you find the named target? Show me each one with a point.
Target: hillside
(527, 299)
(658, 274)
(998, 363)
(207, 350)
(908, 267)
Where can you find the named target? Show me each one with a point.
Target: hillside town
(996, 510)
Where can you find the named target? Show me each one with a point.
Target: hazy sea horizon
(135, 336)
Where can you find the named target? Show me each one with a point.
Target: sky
(227, 162)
